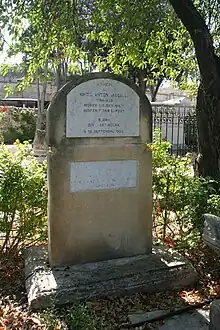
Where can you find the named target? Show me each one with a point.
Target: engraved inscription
(102, 107)
(86, 176)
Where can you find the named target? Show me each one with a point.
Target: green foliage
(18, 123)
(23, 198)
(143, 35)
(81, 317)
(50, 317)
(58, 39)
(12, 70)
(214, 204)
(119, 36)
(1, 135)
(160, 150)
(77, 316)
(180, 199)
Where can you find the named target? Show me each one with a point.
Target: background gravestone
(99, 173)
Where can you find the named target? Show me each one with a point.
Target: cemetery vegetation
(17, 124)
(179, 197)
(23, 199)
(179, 200)
(176, 40)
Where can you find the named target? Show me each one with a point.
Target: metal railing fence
(178, 125)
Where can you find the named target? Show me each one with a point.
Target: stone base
(162, 270)
(211, 232)
(215, 315)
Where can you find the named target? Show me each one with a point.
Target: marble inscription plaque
(102, 108)
(86, 176)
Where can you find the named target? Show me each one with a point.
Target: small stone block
(144, 316)
(211, 232)
(215, 315)
(161, 270)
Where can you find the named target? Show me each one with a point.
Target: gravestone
(99, 172)
(211, 232)
(100, 199)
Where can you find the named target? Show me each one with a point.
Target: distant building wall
(30, 92)
(164, 94)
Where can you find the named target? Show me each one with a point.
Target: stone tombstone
(99, 171)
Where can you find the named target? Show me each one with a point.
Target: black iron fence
(178, 125)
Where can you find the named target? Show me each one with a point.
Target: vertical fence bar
(184, 147)
(167, 122)
(178, 132)
(172, 130)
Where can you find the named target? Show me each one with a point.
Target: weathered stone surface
(215, 315)
(104, 97)
(193, 320)
(187, 321)
(211, 233)
(161, 270)
(99, 171)
(143, 316)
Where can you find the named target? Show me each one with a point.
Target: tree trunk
(58, 76)
(40, 133)
(208, 99)
(154, 89)
(142, 81)
(208, 119)
(61, 74)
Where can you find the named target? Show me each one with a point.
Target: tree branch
(154, 89)
(205, 51)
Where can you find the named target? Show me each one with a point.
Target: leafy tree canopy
(145, 35)
(43, 30)
(148, 35)
(119, 35)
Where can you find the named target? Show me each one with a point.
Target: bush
(180, 199)
(23, 198)
(18, 123)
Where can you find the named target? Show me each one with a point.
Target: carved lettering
(102, 107)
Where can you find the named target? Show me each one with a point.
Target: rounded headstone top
(98, 105)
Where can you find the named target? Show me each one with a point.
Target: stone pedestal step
(161, 270)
